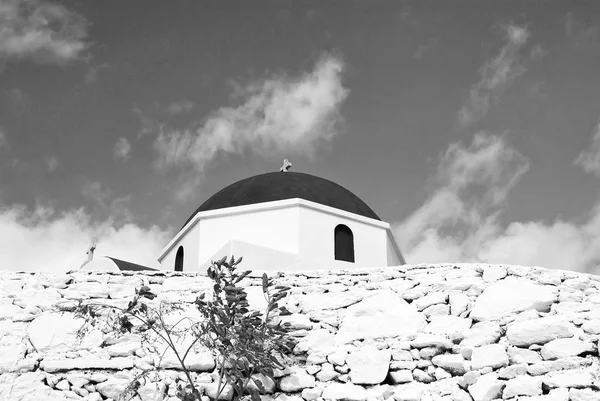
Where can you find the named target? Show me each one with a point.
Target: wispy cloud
(496, 75)
(589, 159)
(147, 124)
(105, 203)
(122, 149)
(281, 114)
(59, 240)
(52, 164)
(93, 73)
(461, 222)
(580, 31)
(182, 106)
(43, 31)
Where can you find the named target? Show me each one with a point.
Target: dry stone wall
(410, 333)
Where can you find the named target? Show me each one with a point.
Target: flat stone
(579, 378)
(368, 365)
(433, 298)
(7, 311)
(409, 392)
(586, 394)
(316, 341)
(486, 388)
(512, 371)
(447, 325)
(27, 387)
(196, 360)
(297, 381)
(492, 355)
(494, 303)
(401, 376)
(568, 363)
(564, 347)
(521, 355)
(382, 315)
(538, 331)
(591, 326)
(459, 303)
(10, 356)
(335, 300)
(453, 363)
(481, 333)
(522, 386)
(295, 321)
(493, 273)
(344, 391)
(310, 394)
(431, 340)
(54, 331)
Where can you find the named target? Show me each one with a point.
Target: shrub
(245, 342)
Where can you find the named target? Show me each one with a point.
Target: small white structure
(278, 221)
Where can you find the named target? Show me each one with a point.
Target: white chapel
(280, 221)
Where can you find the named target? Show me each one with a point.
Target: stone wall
(409, 333)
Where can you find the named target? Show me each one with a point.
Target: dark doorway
(179, 260)
(344, 243)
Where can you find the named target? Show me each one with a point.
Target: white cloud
(93, 73)
(122, 149)
(460, 221)
(182, 106)
(496, 75)
(44, 239)
(580, 31)
(52, 164)
(105, 203)
(40, 30)
(589, 159)
(278, 115)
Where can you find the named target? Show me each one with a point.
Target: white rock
(297, 381)
(7, 311)
(368, 365)
(335, 300)
(409, 392)
(538, 331)
(523, 385)
(569, 378)
(54, 331)
(512, 295)
(401, 376)
(492, 355)
(197, 361)
(493, 273)
(27, 387)
(382, 315)
(586, 394)
(453, 363)
(338, 357)
(10, 356)
(447, 325)
(433, 298)
(591, 326)
(344, 391)
(459, 303)
(310, 394)
(564, 347)
(315, 342)
(295, 321)
(520, 355)
(431, 340)
(486, 388)
(482, 333)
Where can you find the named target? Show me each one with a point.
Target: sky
(472, 127)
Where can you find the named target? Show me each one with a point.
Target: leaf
(265, 282)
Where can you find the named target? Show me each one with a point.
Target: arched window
(344, 243)
(179, 260)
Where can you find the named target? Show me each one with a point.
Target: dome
(279, 186)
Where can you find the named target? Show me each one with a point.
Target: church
(277, 221)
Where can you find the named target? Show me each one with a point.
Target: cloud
(147, 124)
(496, 75)
(278, 115)
(182, 106)
(52, 164)
(122, 149)
(580, 31)
(589, 160)
(45, 239)
(460, 221)
(3, 140)
(17, 99)
(42, 31)
(93, 73)
(105, 203)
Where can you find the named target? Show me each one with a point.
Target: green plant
(246, 342)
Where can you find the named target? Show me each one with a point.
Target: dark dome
(278, 186)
